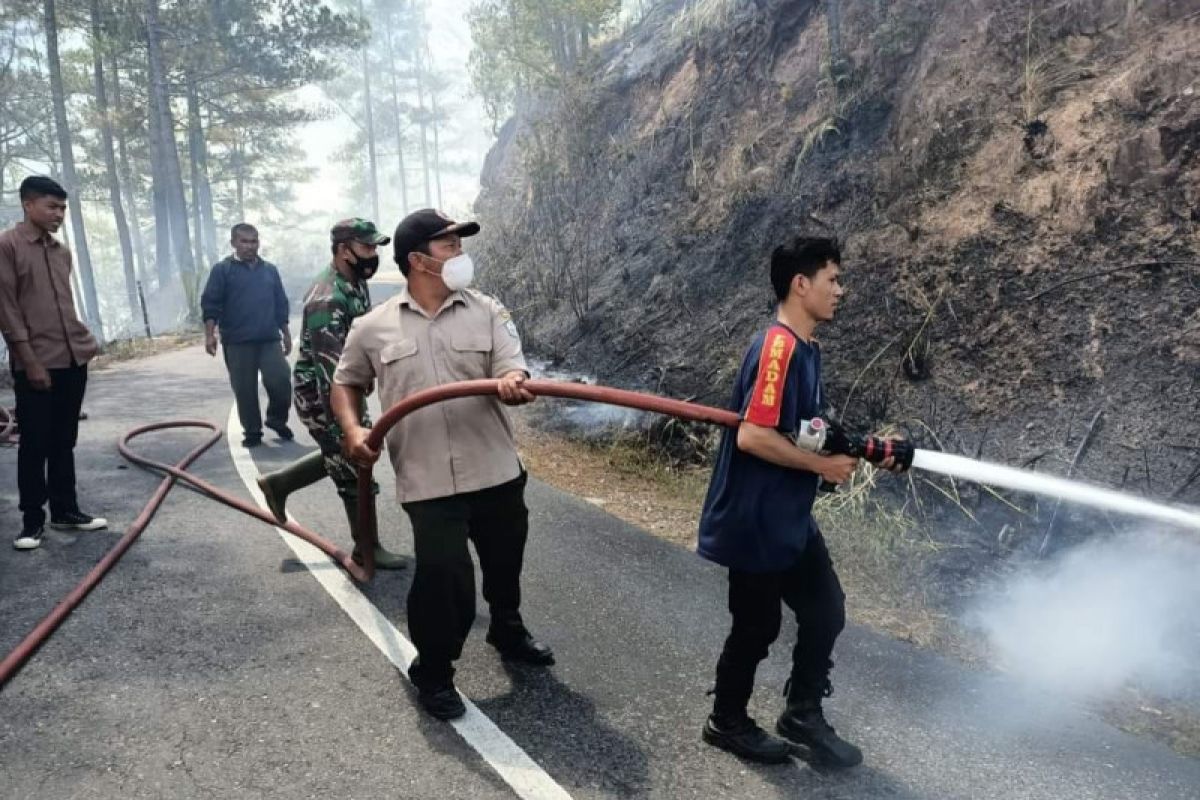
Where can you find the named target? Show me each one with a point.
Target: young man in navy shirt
(757, 520)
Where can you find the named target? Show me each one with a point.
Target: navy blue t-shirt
(245, 300)
(758, 516)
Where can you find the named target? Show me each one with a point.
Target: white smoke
(587, 419)
(1106, 614)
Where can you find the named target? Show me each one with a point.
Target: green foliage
(524, 46)
(231, 68)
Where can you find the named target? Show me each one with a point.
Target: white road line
(512, 763)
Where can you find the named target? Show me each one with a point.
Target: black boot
(437, 696)
(512, 639)
(744, 738)
(804, 724)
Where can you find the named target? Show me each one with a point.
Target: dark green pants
(441, 602)
(245, 362)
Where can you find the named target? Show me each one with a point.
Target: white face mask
(458, 272)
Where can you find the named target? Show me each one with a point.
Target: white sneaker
(29, 540)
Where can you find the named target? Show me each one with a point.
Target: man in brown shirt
(49, 349)
(457, 472)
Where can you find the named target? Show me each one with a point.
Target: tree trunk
(91, 311)
(162, 213)
(206, 197)
(3, 154)
(196, 158)
(437, 147)
(239, 179)
(110, 163)
(391, 47)
(418, 63)
(372, 169)
(181, 246)
(76, 295)
(126, 180)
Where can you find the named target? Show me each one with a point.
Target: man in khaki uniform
(458, 475)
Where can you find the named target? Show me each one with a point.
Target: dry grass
(1144, 715)
(698, 18)
(622, 478)
(130, 349)
(879, 553)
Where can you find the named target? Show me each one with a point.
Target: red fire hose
(451, 391)
(178, 472)
(8, 426)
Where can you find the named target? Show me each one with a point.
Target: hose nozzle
(820, 435)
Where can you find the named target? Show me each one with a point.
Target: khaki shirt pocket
(471, 354)
(399, 372)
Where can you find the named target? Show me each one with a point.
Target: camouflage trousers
(339, 469)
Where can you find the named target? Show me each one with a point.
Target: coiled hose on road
(367, 522)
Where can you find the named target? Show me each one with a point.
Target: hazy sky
(450, 43)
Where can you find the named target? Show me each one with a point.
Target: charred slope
(1018, 195)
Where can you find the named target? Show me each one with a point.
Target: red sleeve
(765, 402)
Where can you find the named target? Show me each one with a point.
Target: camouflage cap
(359, 229)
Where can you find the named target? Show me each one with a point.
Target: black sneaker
(806, 725)
(30, 539)
(252, 440)
(524, 648)
(744, 738)
(283, 432)
(77, 521)
(442, 702)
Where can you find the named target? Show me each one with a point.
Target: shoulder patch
(777, 350)
(489, 300)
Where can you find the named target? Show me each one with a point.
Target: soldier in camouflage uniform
(337, 297)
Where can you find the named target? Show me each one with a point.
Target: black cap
(425, 226)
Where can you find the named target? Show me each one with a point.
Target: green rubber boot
(276, 486)
(384, 559)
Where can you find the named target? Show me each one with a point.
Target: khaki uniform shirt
(455, 446)
(36, 304)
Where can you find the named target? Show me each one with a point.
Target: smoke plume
(1108, 613)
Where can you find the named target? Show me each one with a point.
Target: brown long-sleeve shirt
(36, 304)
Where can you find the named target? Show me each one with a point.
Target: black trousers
(811, 590)
(441, 602)
(245, 362)
(49, 426)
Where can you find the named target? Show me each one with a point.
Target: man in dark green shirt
(337, 297)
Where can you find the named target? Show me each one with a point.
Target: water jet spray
(820, 435)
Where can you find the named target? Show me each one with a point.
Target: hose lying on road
(177, 472)
(8, 426)
(366, 510)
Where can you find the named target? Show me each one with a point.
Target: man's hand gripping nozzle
(821, 435)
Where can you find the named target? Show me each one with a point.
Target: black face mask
(364, 268)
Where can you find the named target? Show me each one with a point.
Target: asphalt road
(212, 663)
